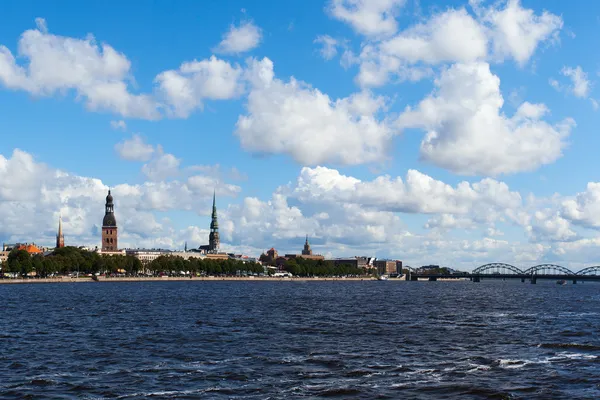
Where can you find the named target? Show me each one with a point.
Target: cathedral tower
(109, 226)
(60, 239)
(213, 238)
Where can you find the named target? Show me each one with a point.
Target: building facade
(387, 267)
(146, 256)
(110, 236)
(60, 239)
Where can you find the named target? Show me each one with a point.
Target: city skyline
(422, 131)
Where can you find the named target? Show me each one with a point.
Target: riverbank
(207, 278)
(174, 279)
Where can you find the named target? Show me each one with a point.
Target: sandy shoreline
(208, 279)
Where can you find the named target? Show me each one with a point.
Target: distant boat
(382, 278)
(561, 282)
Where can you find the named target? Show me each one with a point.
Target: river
(276, 340)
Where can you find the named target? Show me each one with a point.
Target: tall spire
(60, 239)
(213, 238)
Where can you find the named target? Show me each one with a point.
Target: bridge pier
(432, 279)
(522, 280)
(574, 281)
(533, 280)
(414, 278)
(476, 279)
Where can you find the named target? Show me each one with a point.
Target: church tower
(213, 238)
(60, 239)
(306, 251)
(109, 226)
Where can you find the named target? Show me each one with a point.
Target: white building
(146, 256)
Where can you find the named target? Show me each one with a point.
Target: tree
(19, 262)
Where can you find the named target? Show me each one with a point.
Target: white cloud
(468, 134)
(579, 79)
(456, 36)
(240, 39)
(516, 32)
(119, 125)
(418, 193)
(186, 88)
(368, 17)
(329, 46)
(584, 208)
(162, 166)
(549, 225)
(447, 37)
(296, 119)
(97, 73)
(134, 149)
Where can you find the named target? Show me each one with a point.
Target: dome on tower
(109, 220)
(109, 198)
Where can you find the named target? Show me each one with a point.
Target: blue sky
(449, 132)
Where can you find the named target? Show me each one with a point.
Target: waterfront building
(109, 227)
(146, 256)
(60, 239)
(357, 262)
(388, 267)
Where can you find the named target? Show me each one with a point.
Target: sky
(455, 133)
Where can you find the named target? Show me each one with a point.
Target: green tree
(19, 262)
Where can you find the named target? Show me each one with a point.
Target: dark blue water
(275, 340)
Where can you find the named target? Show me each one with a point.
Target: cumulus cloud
(468, 134)
(134, 149)
(457, 36)
(185, 89)
(451, 36)
(240, 39)
(368, 17)
(516, 32)
(584, 208)
(162, 166)
(296, 119)
(96, 73)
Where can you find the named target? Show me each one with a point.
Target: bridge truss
(497, 268)
(548, 269)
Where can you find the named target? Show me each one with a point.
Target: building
(60, 239)
(31, 248)
(307, 253)
(146, 256)
(356, 262)
(110, 241)
(388, 267)
(272, 253)
(3, 257)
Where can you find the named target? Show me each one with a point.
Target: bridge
(507, 271)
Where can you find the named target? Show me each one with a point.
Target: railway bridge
(508, 271)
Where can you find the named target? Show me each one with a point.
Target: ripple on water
(326, 339)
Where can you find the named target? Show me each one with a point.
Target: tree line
(69, 260)
(306, 267)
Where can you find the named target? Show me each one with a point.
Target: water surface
(259, 340)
